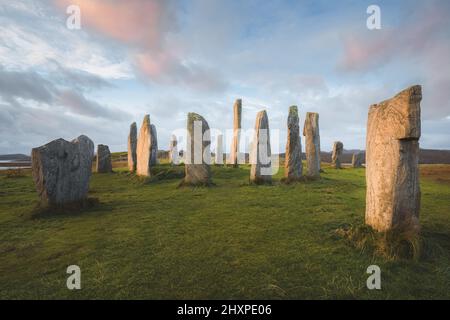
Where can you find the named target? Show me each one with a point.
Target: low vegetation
(146, 238)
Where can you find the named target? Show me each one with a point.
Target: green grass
(152, 240)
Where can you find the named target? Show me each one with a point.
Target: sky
(170, 57)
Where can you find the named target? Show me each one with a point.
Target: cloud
(141, 23)
(26, 85)
(18, 86)
(145, 26)
(415, 50)
(34, 37)
(77, 103)
(371, 49)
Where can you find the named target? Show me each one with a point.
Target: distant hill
(431, 156)
(426, 156)
(19, 157)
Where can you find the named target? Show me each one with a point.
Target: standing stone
(174, 157)
(132, 143)
(336, 155)
(219, 149)
(104, 164)
(293, 162)
(312, 137)
(144, 148)
(154, 154)
(358, 159)
(62, 170)
(392, 157)
(198, 155)
(261, 169)
(234, 152)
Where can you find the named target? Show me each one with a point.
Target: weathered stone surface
(312, 141)
(261, 164)
(392, 155)
(144, 148)
(219, 150)
(132, 143)
(104, 164)
(237, 116)
(174, 157)
(358, 159)
(198, 154)
(154, 153)
(62, 170)
(293, 162)
(336, 155)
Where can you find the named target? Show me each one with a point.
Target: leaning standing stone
(357, 159)
(62, 170)
(336, 155)
(261, 169)
(198, 155)
(293, 162)
(144, 149)
(154, 155)
(237, 115)
(392, 157)
(132, 143)
(312, 137)
(104, 164)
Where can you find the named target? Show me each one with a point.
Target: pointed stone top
(413, 93)
(293, 110)
(192, 116)
(312, 114)
(311, 123)
(133, 125)
(146, 120)
(402, 112)
(84, 139)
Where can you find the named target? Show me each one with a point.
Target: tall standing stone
(144, 148)
(392, 157)
(104, 164)
(154, 154)
(219, 149)
(312, 141)
(293, 162)
(174, 157)
(237, 119)
(358, 159)
(198, 154)
(336, 155)
(62, 170)
(261, 164)
(132, 143)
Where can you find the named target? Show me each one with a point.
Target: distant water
(4, 167)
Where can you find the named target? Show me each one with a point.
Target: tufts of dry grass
(403, 242)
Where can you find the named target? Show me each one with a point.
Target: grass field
(152, 240)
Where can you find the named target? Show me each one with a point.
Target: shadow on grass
(183, 184)
(75, 208)
(404, 242)
(158, 173)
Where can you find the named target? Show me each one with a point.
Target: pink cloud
(371, 49)
(142, 23)
(143, 26)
